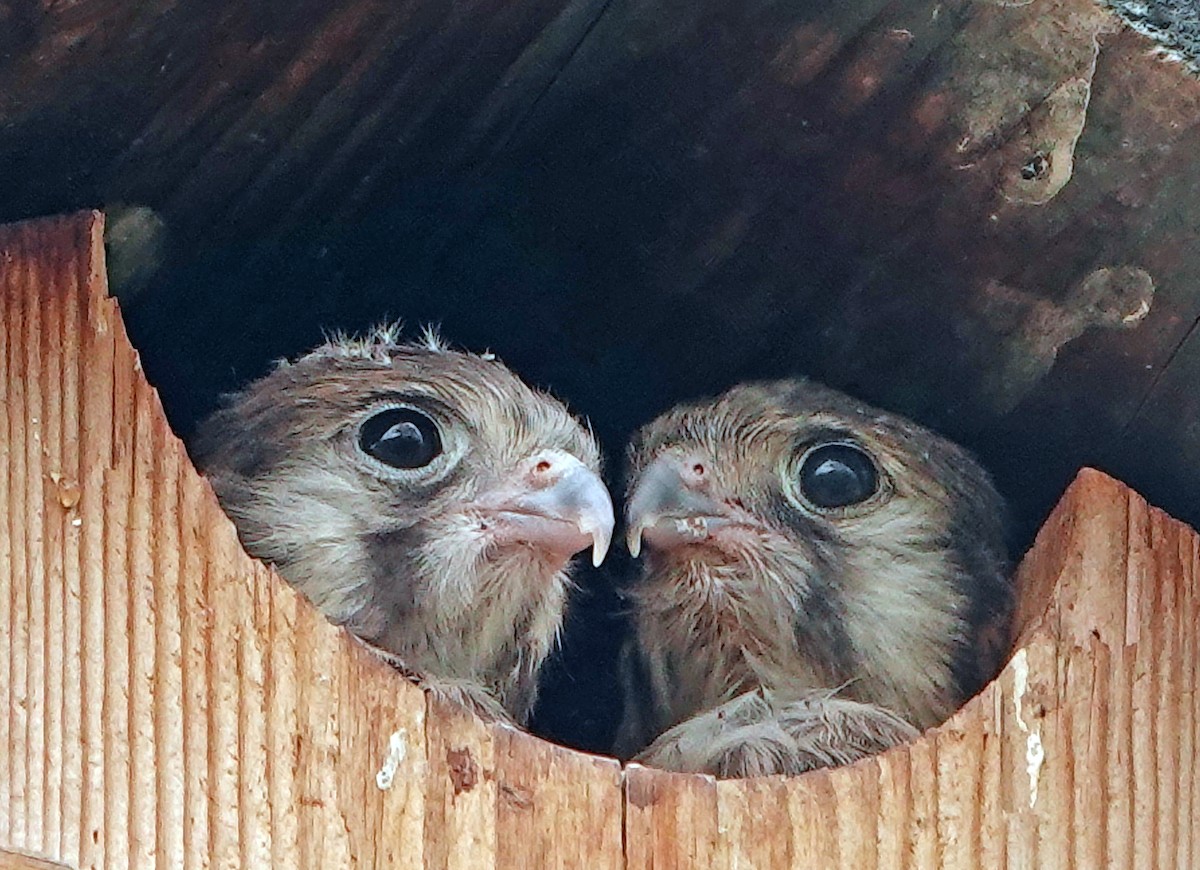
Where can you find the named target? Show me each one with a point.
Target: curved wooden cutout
(166, 700)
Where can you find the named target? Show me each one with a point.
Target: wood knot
(641, 789)
(464, 772)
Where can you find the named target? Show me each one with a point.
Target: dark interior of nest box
(976, 214)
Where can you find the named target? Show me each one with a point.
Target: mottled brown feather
(888, 610)
(392, 556)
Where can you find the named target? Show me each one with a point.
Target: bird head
(413, 492)
(826, 542)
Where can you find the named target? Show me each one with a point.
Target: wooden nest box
(978, 213)
(167, 701)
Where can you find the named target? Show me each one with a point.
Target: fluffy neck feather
(480, 614)
(884, 621)
(434, 596)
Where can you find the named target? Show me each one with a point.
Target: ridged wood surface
(167, 701)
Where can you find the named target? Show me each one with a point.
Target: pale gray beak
(554, 502)
(669, 508)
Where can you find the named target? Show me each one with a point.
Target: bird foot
(760, 734)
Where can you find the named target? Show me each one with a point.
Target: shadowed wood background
(167, 701)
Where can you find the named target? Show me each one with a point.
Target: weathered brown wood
(14, 861)
(166, 701)
(228, 117)
(670, 821)
(555, 807)
(462, 795)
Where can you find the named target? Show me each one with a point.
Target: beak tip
(633, 541)
(572, 509)
(600, 531)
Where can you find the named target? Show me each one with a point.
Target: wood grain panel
(167, 701)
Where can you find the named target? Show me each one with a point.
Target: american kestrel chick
(427, 499)
(818, 580)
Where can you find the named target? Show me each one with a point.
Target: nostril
(695, 471)
(543, 473)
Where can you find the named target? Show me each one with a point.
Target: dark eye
(837, 475)
(401, 438)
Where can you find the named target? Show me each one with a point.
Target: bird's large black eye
(837, 475)
(401, 438)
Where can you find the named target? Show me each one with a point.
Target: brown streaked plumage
(427, 499)
(820, 579)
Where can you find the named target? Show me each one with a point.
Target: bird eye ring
(837, 475)
(401, 438)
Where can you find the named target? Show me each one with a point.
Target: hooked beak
(554, 502)
(669, 507)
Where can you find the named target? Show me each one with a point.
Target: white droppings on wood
(397, 750)
(1020, 666)
(1035, 752)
